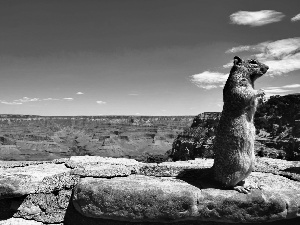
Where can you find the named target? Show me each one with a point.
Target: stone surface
(102, 170)
(12, 164)
(289, 169)
(174, 192)
(19, 221)
(47, 208)
(19, 181)
(73, 217)
(158, 199)
(96, 166)
(172, 169)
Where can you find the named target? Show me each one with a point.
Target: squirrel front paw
(260, 93)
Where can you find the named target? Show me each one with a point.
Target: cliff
(144, 138)
(277, 122)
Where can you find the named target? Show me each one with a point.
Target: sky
(140, 57)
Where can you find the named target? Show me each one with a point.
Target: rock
(77, 161)
(134, 198)
(289, 169)
(174, 192)
(19, 221)
(196, 141)
(19, 181)
(97, 166)
(166, 199)
(172, 169)
(102, 170)
(47, 208)
(12, 164)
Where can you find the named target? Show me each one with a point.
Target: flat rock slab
(76, 161)
(11, 164)
(19, 221)
(96, 166)
(107, 170)
(43, 178)
(165, 199)
(173, 169)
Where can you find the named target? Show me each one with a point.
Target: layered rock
(196, 141)
(95, 190)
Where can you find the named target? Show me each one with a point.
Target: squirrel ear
(237, 60)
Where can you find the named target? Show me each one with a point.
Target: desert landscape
(145, 138)
(149, 112)
(28, 137)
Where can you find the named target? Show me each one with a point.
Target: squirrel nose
(264, 69)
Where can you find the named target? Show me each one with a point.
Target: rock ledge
(94, 190)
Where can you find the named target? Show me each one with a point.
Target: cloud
(296, 18)
(228, 65)
(26, 99)
(209, 80)
(275, 91)
(79, 93)
(133, 94)
(238, 49)
(69, 99)
(281, 56)
(101, 102)
(291, 86)
(280, 90)
(50, 99)
(11, 103)
(257, 18)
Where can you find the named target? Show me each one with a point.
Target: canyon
(146, 138)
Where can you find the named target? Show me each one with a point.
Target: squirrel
(234, 143)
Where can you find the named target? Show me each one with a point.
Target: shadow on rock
(9, 206)
(292, 173)
(293, 170)
(201, 178)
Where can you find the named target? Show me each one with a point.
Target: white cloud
(11, 103)
(280, 90)
(101, 102)
(281, 56)
(79, 93)
(275, 91)
(26, 99)
(239, 49)
(69, 99)
(257, 18)
(291, 86)
(50, 99)
(296, 18)
(133, 94)
(228, 65)
(209, 80)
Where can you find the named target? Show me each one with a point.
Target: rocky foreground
(96, 190)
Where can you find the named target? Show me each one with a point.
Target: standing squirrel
(234, 142)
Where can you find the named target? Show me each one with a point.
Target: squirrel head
(252, 67)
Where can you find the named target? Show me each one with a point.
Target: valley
(30, 137)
